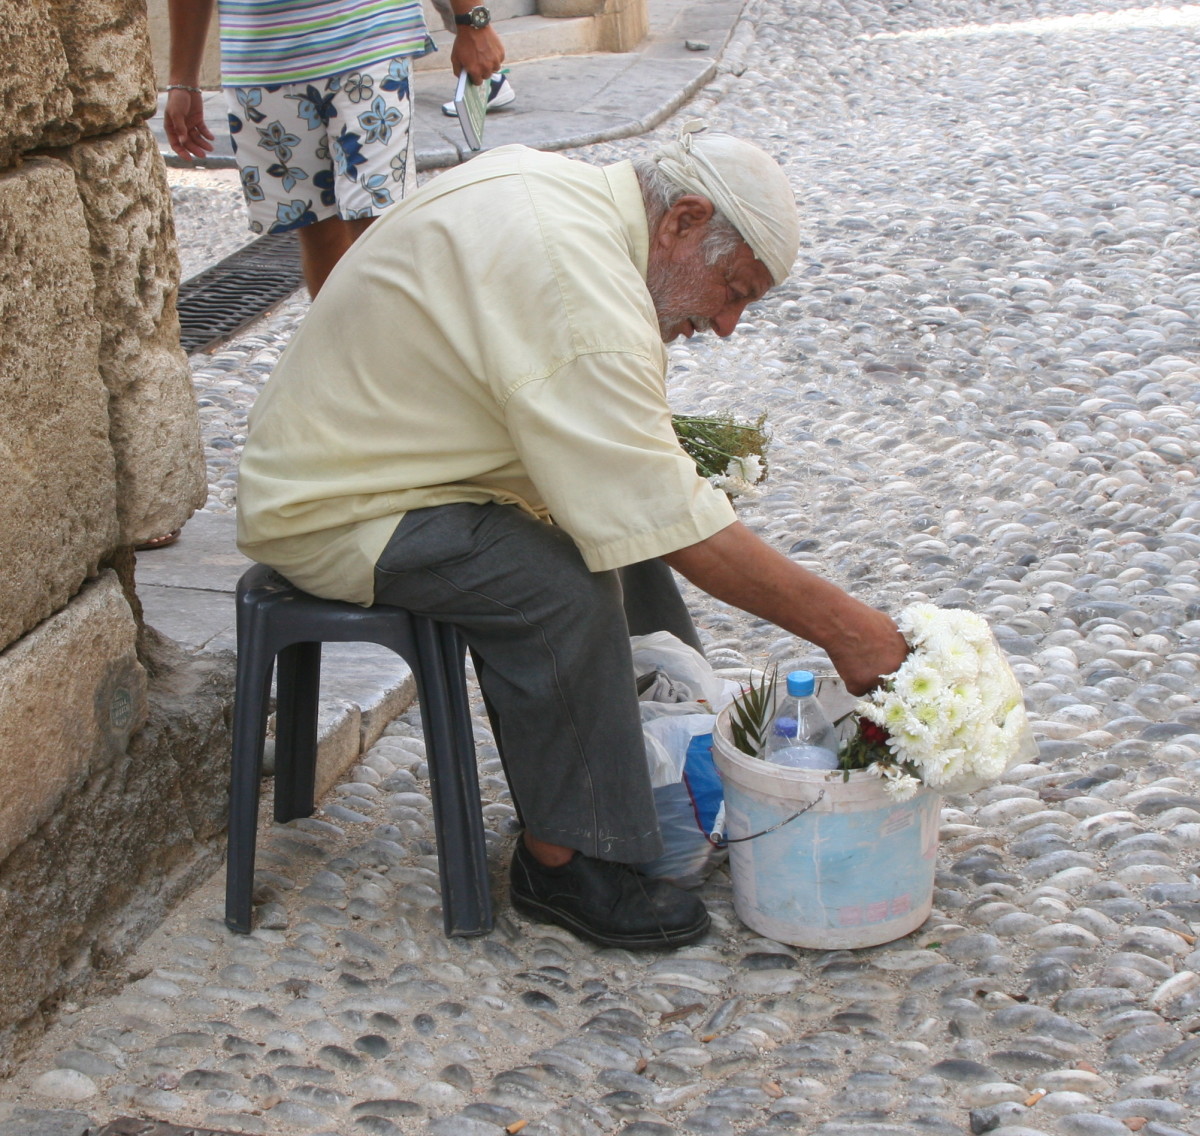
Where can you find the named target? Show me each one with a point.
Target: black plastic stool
(276, 620)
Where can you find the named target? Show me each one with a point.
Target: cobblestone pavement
(983, 382)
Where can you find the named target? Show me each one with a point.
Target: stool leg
(494, 718)
(458, 820)
(297, 693)
(251, 694)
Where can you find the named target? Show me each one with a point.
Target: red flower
(872, 733)
(868, 745)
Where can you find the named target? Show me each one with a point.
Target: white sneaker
(499, 96)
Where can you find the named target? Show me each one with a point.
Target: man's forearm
(188, 21)
(478, 51)
(736, 567)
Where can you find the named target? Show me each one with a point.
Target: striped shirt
(289, 41)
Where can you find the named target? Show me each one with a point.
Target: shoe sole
(450, 111)
(543, 914)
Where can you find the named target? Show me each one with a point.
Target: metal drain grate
(221, 300)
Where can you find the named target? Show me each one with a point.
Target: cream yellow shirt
(491, 338)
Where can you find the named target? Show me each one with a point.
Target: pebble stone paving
(983, 383)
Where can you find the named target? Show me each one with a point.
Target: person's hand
(478, 51)
(873, 649)
(735, 566)
(183, 121)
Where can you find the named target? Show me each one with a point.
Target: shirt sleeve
(596, 440)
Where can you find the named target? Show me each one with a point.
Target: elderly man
(472, 423)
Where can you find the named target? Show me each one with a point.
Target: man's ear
(691, 212)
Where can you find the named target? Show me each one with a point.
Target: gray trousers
(550, 641)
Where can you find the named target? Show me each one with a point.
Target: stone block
(339, 732)
(109, 71)
(623, 24)
(45, 1122)
(55, 457)
(138, 835)
(33, 80)
(155, 426)
(566, 9)
(72, 694)
(155, 437)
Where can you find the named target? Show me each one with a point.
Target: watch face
(479, 16)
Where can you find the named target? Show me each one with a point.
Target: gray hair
(659, 193)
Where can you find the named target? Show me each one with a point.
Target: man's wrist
(474, 17)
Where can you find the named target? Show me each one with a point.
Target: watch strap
(470, 20)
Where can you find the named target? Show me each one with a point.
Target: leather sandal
(158, 541)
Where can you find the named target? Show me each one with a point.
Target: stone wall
(111, 745)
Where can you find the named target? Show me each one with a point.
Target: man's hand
(183, 121)
(478, 51)
(183, 117)
(869, 648)
(733, 565)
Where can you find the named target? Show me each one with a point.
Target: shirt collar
(627, 196)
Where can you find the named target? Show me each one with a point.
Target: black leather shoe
(608, 903)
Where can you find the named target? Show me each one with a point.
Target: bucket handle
(787, 820)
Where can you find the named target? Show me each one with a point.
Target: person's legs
(554, 664)
(322, 246)
(324, 157)
(552, 656)
(278, 134)
(371, 138)
(652, 602)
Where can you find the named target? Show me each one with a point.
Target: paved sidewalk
(563, 101)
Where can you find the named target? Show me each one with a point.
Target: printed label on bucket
(834, 870)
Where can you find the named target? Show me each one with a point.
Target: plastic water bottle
(801, 736)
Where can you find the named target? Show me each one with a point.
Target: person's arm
(734, 566)
(478, 51)
(183, 118)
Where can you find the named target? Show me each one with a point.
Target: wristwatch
(477, 17)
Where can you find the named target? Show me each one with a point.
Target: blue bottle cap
(800, 684)
(786, 727)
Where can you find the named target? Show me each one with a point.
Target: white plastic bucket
(854, 869)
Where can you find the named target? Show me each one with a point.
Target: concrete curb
(187, 593)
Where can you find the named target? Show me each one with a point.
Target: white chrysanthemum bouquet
(952, 717)
(729, 453)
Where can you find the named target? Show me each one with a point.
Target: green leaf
(751, 712)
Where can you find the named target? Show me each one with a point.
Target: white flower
(920, 683)
(748, 468)
(901, 788)
(739, 477)
(953, 710)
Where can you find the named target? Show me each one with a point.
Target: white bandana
(745, 183)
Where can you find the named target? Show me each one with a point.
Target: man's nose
(726, 320)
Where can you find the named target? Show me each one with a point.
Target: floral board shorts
(340, 146)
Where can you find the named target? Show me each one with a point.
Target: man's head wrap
(745, 184)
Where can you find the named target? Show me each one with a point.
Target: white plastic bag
(685, 666)
(679, 706)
